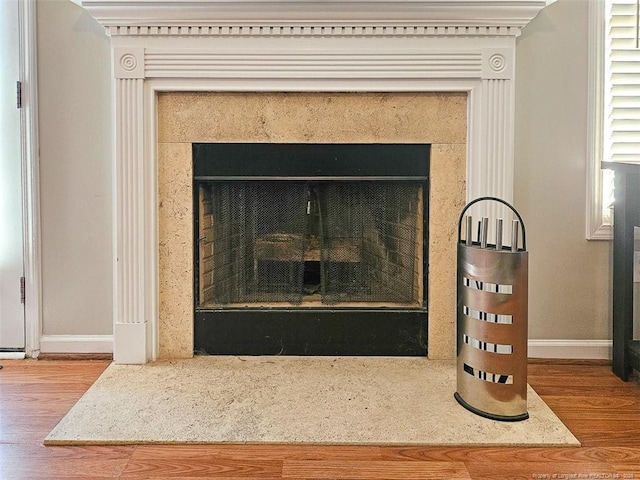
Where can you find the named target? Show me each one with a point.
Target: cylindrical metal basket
(492, 320)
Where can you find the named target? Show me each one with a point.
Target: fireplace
(310, 249)
(386, 48)
(430, 127)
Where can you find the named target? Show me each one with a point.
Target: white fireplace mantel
(291, 45)
(181, 13)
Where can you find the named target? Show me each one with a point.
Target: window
(615, 102)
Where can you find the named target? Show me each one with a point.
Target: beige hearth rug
(314, 400)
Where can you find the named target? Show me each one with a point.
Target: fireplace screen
(310, 249)
(303, 242)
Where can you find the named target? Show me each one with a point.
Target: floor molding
(538, 349)
(74, 356)
(580, 362)
(12, 355)
(71, 344)
(571, 349)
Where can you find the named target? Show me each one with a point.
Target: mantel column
(490, 169)
(130, 316)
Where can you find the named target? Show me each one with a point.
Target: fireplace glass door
(339, 253)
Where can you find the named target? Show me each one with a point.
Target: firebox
(310, 249)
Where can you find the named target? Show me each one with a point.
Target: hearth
(310, 248)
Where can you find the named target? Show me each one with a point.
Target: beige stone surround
(188, 117)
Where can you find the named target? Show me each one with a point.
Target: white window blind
(614, 103)
(622, 82)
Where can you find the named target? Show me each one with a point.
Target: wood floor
(601, 411)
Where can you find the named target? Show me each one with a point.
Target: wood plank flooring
(601, 411)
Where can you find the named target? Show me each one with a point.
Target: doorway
(12, 315)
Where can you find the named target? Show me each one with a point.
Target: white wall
(75, 170)
(569, 277)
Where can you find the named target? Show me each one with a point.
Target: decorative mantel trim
(438, 17)
(292, 45)
(311, 31)
(156, 63)
(129, 63)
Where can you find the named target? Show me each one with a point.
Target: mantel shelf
(169, 13)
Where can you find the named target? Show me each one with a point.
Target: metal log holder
(492, 319)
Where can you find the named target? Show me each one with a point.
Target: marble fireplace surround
(403, 47)
(187, 117)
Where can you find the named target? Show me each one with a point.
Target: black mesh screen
(332, 242)
(259, 241)
(369, 242)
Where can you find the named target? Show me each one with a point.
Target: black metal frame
(626, 216)
(329, 330)
(310, 331)
(304, 161)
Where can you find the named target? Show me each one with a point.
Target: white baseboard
(571, 349)
(76, 344)
(12, 355)
(567, 349)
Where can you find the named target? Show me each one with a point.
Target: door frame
(30, 176)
